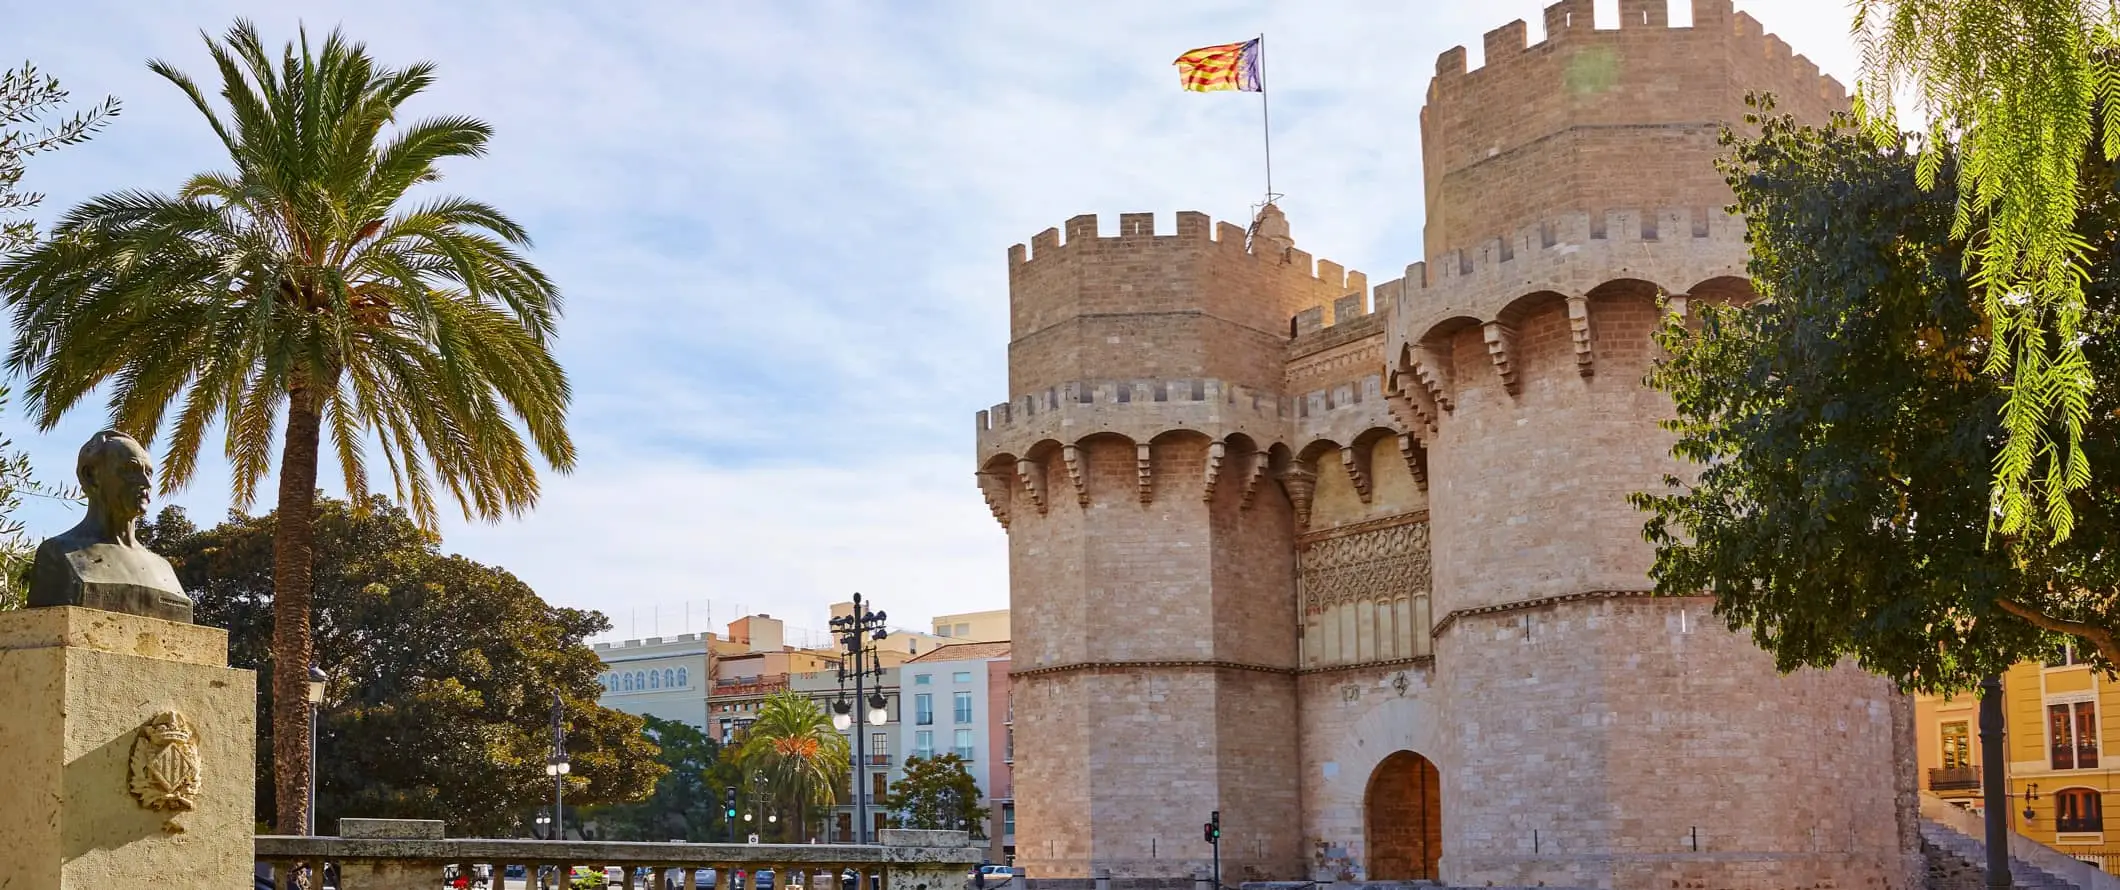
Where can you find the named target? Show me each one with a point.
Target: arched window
(654, 680)
(669, 678)
(2078, 809)
(629, 682)
(681, 681)
(639, 681)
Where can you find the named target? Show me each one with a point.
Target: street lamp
(557, 767)
(317, 682)
(544, 825)
(857, 632)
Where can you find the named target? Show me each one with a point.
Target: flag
(1231, 66)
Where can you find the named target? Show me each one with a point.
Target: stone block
(78, 686)
(392, 829)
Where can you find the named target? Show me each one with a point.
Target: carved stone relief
(165, 766)
(1373, 564)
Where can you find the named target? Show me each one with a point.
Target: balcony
(879, 760)
(1954, 778)
(750, 685)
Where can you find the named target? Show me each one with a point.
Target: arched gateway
(1402, 818)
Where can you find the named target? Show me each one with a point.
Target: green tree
(2016, 90)
(303, 280)
(442, 671)
(25, 98)
(1844, 426)
(687, 801)
(792, 743)
(936, 793)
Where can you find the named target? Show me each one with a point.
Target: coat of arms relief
(165, 766)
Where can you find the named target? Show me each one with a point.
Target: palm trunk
(293, 545)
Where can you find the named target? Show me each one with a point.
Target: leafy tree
(442, 671)
(1844, 427)
(25, 98)
(2016, 90)
(936, 793)
(792, 743)
(18, 550)
(303, 280)
(686, 803)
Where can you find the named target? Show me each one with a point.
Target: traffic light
(728, 801)
(1212, 828)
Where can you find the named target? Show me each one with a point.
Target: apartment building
(958, 703)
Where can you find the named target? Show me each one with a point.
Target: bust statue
(99, 564)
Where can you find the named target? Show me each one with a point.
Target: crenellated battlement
(1137, 409)
(1193, 230)
(1570, 24)
(1566, 234)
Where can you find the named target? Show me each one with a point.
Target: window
(629, 683)
(1008, 820)
(942, 630)
(879, 747)
(963, 747)
(924, 743)
(2067, 658)
(2072, 730)
(963, 630)
(882, 785)
(681, 679)
(964, 707)
(654, 680)
(923, 679)
(1957, 746)
(1008, 740)
(962, 677)
(846, 828)
(2078, 809)
(924, 709)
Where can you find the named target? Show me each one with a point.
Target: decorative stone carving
(100, 563)
(165, 767)
(1031, 475)
(1356, 462)
(995, 489)
(1141, 468)
(1213, 472)
(1579, 331)
(1400, 683)
(1300, 481)
(1377, 564)
(1501, 347)
(1072, 456)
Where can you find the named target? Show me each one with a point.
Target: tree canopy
(1844, 427)
(2016, 91)
(936, 793)
(442, 671)
(687, 801)
(803, 759)
(26, 98)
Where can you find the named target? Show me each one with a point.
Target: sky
(780, 230)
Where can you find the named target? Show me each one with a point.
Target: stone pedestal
(77, 686)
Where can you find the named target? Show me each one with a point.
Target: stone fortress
(1355, 567)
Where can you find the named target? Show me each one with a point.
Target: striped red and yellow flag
(1231, 66)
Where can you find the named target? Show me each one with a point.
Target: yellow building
(2056, 717)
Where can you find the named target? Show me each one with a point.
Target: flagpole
(1265, 119)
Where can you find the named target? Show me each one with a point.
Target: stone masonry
(1281, 543)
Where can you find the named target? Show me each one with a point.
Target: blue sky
(781, 229)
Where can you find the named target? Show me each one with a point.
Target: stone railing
(384, 854)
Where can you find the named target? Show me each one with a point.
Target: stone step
(1973, 853)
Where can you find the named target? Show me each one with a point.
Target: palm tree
(793, 744)
(305, 279)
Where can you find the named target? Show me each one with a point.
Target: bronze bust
(99, 564)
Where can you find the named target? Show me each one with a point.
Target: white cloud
(781, 231)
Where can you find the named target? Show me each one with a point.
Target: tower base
(105, 710)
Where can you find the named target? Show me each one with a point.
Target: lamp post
(1994, 783)
(317, 682)
(857, 631)
(544, 825)
(557, 767)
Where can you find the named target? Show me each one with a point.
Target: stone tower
(1367, 581)
(1152, 577)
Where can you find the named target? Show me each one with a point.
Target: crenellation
(1565, 15)
(1644, 14)
(1451, 62)
(1137, 225)
(1507, 39)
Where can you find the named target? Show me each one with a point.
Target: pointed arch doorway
(1402, 820)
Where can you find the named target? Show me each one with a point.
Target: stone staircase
(1970, 856)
